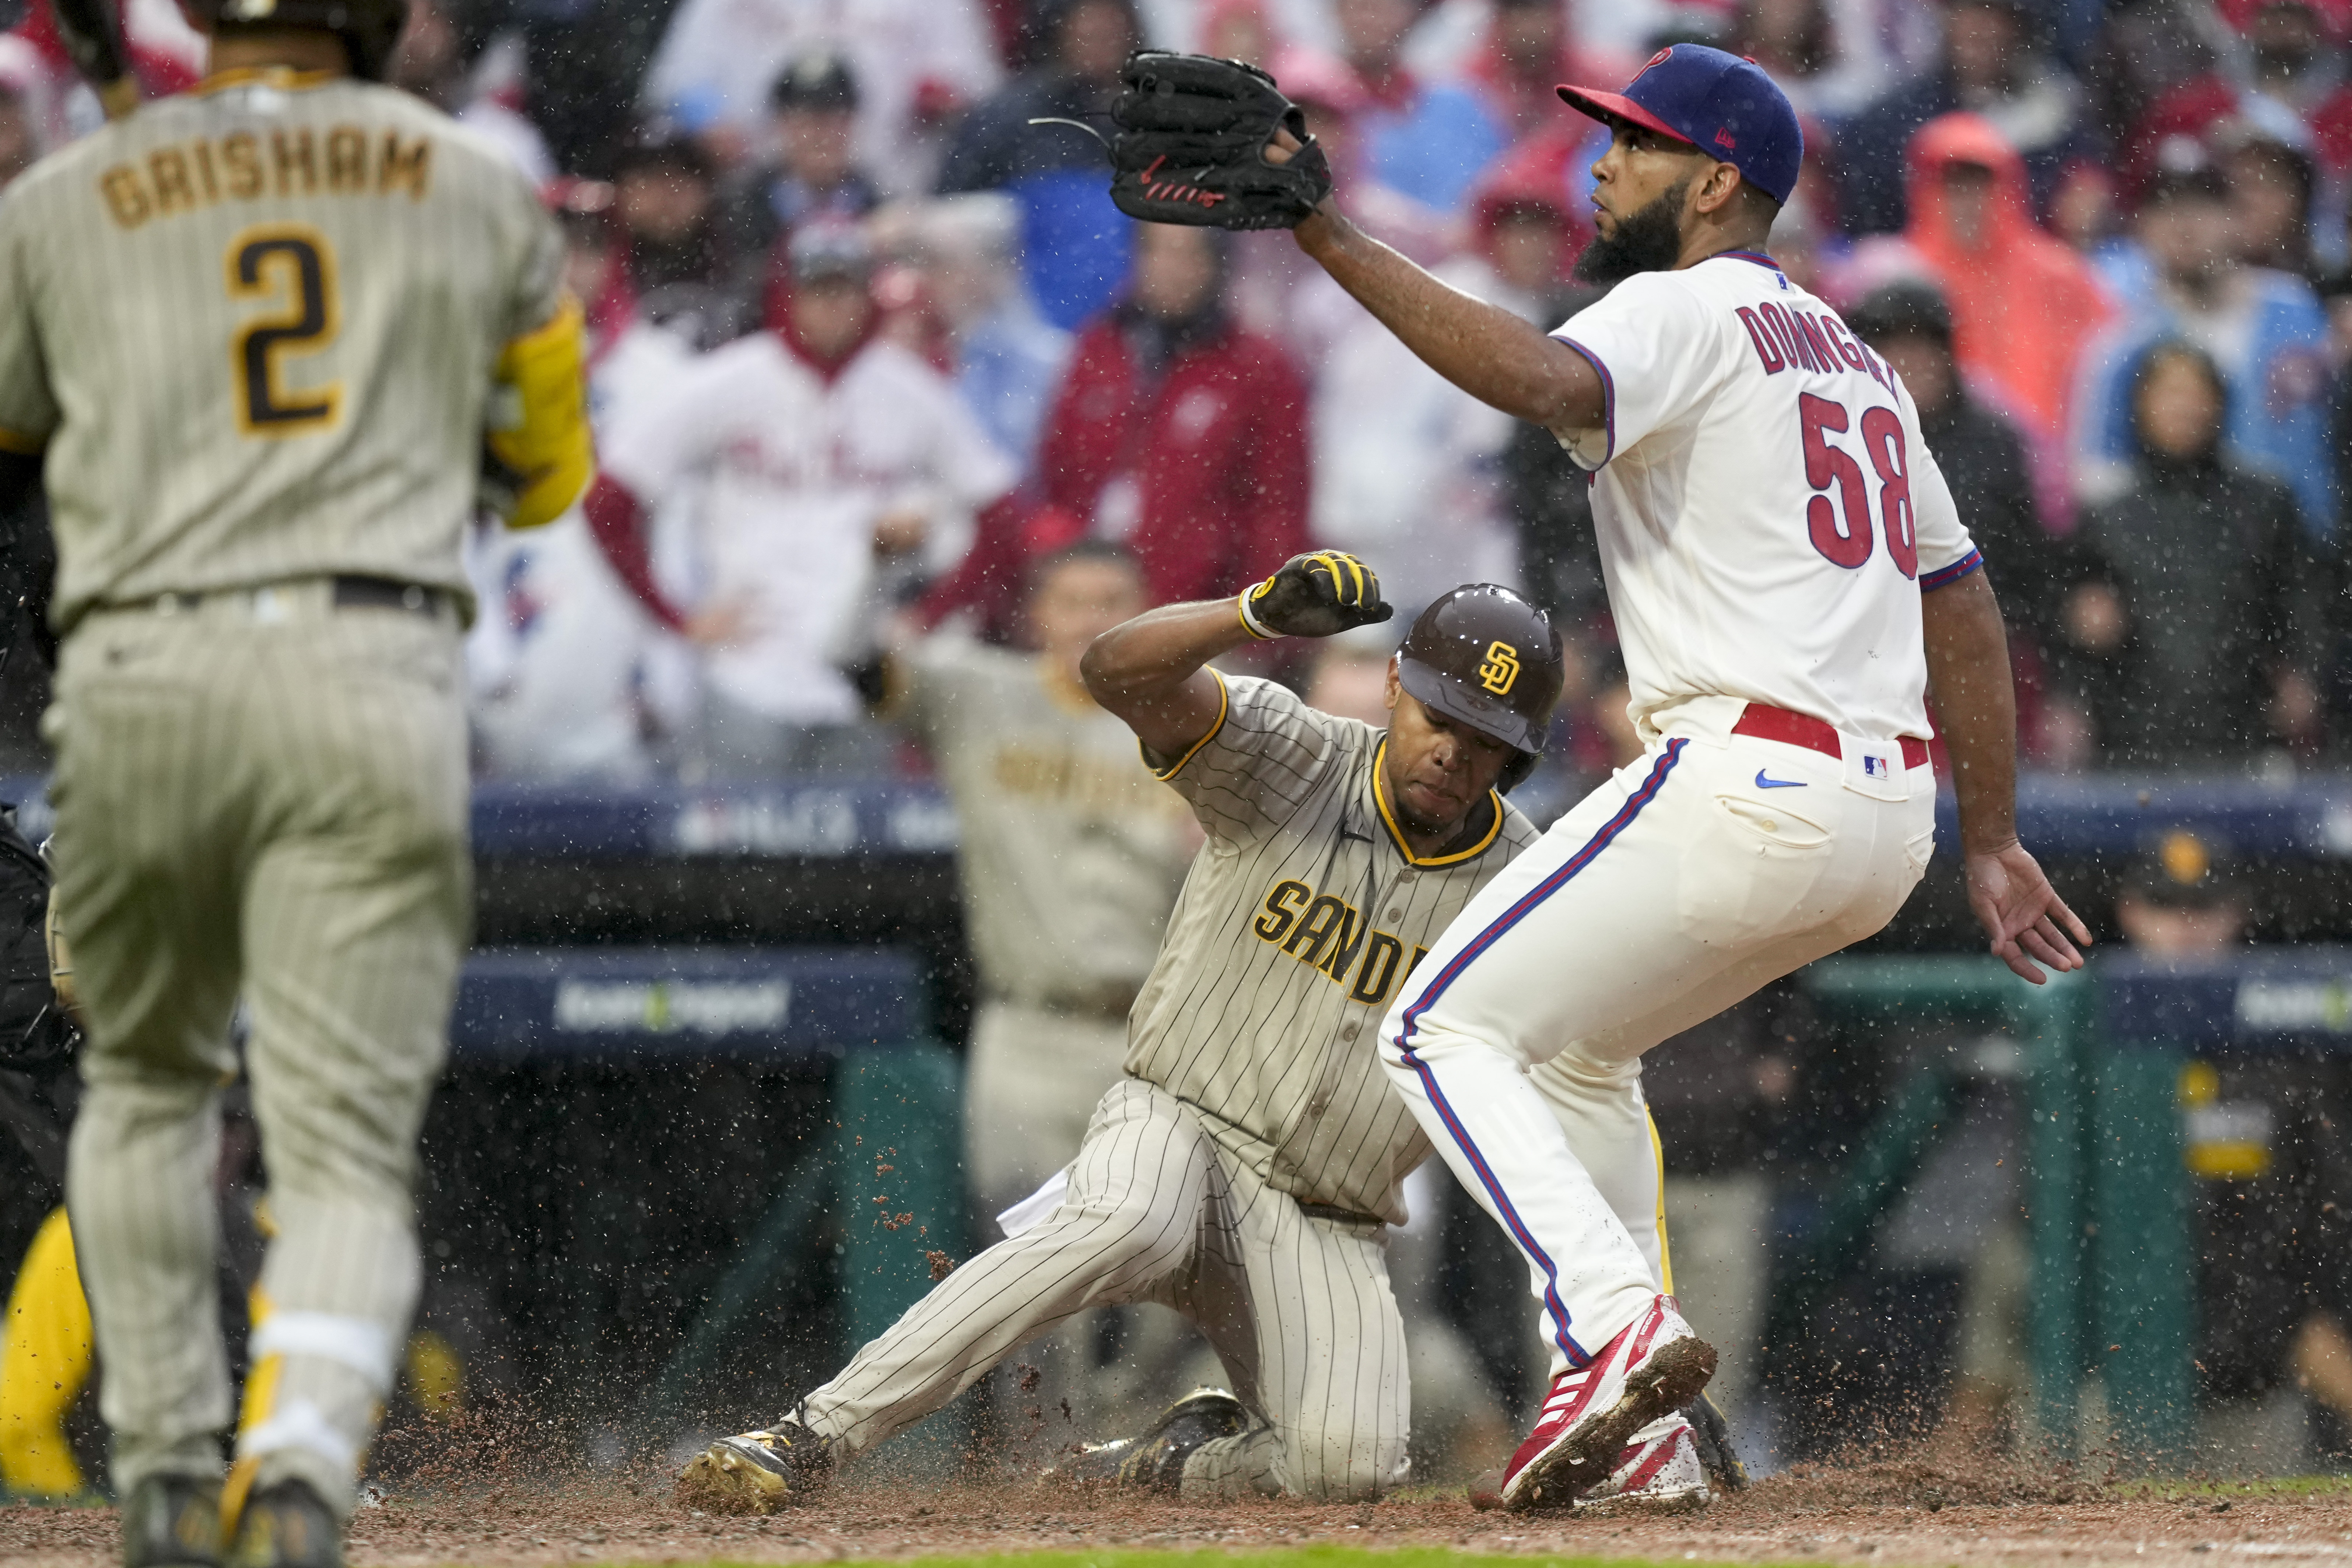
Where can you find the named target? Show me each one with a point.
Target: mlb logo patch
(1875, 767)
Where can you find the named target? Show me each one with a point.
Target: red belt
(1769, 723)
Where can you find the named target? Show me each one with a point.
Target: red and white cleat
(1652, 1369)
(1658, 1472)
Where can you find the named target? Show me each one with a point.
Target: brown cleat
(286, 1525)
(171, 1522)
(757, 1472)
(1155, 1461)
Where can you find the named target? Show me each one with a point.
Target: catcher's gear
(369, 28)
(37, 1033)
(1483, 657)
(1316, 595)
(92, 34)
(61, 974)
(1191, 148)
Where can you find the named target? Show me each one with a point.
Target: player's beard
(1650, 240)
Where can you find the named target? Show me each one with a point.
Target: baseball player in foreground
(1788, 578)
(1244, 1169)
(257, 338)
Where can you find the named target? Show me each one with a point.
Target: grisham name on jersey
(186, 176)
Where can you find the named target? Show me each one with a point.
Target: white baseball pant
(1710, 866)
(1297, 1305)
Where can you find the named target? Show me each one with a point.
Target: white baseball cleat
(1658, 1473)
(1652, 1369)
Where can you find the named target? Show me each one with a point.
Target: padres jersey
(257, 329)
(1300, 919)
(1766, 510)
(1071, 854)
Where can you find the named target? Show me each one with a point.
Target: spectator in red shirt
(1175, 430)
(1180, 432)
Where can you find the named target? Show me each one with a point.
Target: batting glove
(1314, 595)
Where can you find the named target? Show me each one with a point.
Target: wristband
(1249, 623)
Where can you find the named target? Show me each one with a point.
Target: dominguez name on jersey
(1328, 934)
(1788, 338)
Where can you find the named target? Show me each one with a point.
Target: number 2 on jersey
(1839, 528)
(290, 267)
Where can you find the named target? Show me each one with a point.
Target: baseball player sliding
(1788, 578)
(1244, 1168)
(258, 337)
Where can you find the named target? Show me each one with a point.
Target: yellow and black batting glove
(1316, 595)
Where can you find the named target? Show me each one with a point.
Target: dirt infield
(1870, 1514)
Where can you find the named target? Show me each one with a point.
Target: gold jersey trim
(284, 77)
(1396, 837)
(1225, 706)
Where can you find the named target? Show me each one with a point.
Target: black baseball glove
(1191, 148)
(1315, 596)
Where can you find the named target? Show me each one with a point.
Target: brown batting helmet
(1483, 657)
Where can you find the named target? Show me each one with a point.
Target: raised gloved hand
(1191, 148)
(1317, 595)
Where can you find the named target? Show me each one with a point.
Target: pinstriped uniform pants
(264, 795)
(1297, 1307)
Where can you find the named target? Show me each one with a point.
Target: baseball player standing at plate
(1790, 579)
(259, 336)
(1246, 1168)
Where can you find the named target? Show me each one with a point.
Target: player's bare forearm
(1976, 707)
(1976, 711)
(1153, 672)
(1483, 349)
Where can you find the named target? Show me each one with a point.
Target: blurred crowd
(869, 340)
(886, 387)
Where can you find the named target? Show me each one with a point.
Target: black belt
(1110, 1002)
(387, 593)
(346, 593)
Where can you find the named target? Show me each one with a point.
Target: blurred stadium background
(702, 1128)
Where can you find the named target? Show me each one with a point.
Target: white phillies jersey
(801, 466)
(1768, 512)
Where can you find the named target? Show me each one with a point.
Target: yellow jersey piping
(1225, 706)
(1380, 799)
(287, 77)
